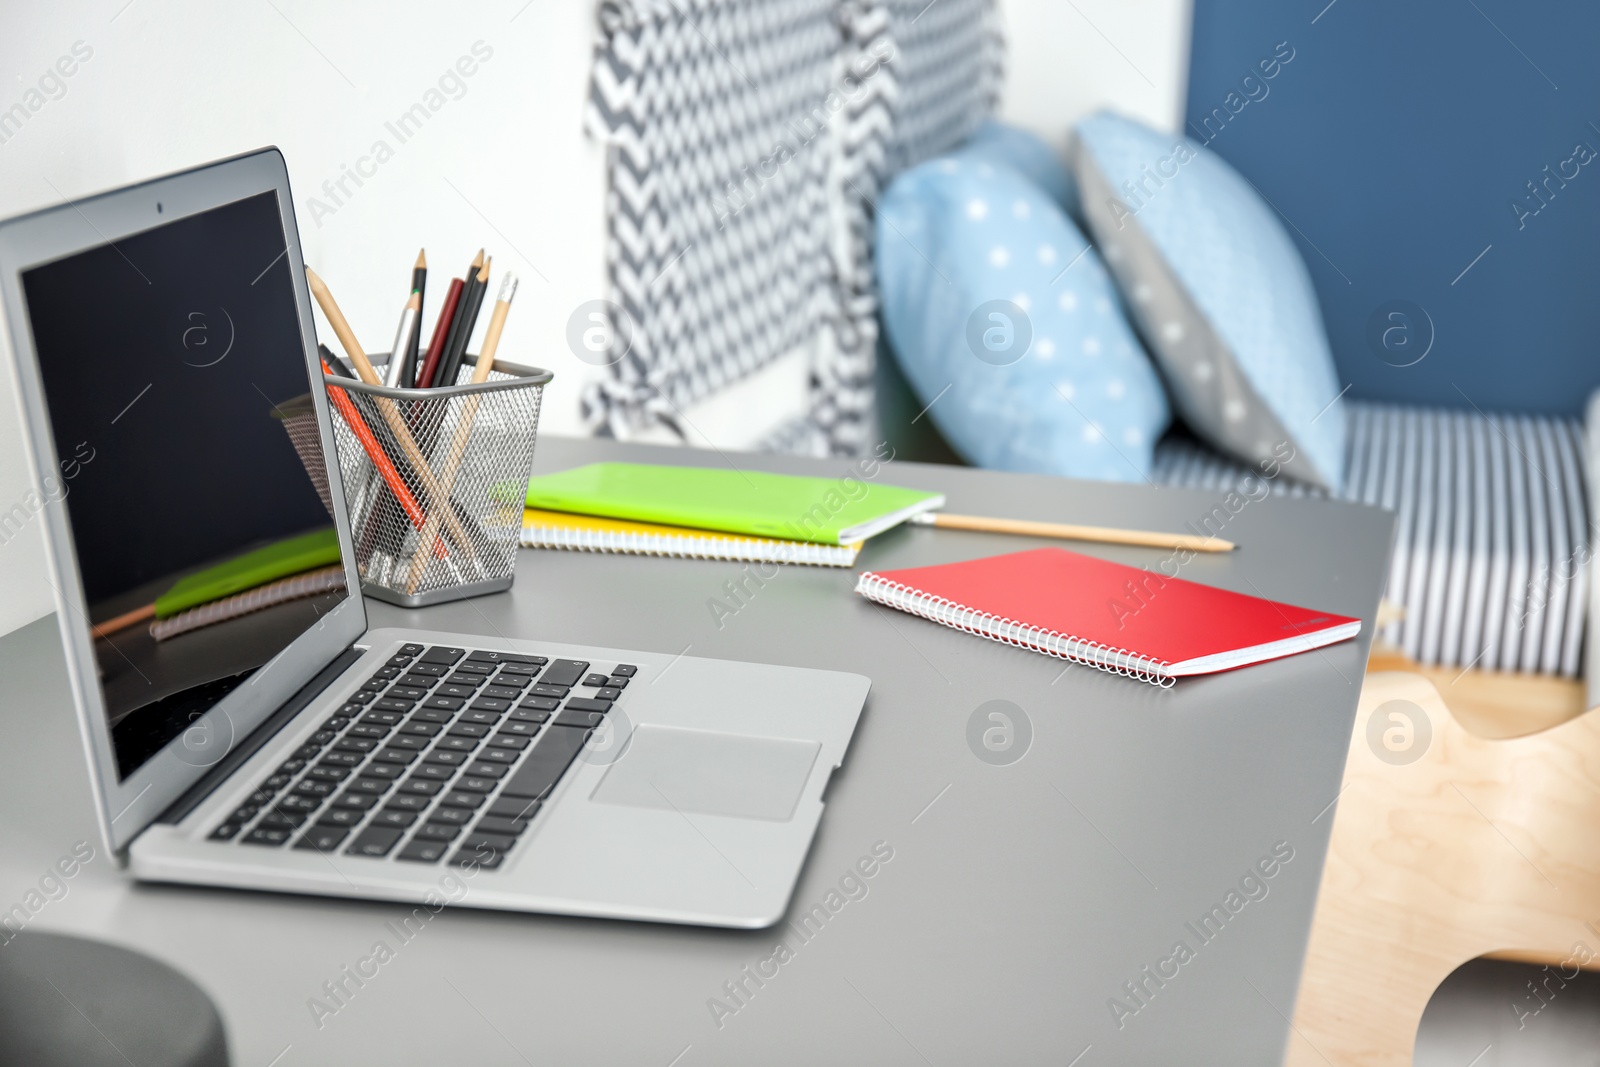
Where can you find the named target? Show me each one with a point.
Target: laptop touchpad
(709, 773)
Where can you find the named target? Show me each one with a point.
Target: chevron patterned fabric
(1492, 544)
(747, 141)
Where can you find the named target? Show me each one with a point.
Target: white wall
(1065, 60)
(172, 83)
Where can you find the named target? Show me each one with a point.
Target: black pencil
(469, 280)
(467, 317)
(419, 285)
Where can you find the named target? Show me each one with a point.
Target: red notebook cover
(1121, 619)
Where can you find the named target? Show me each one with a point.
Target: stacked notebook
(1120, 619)
(713, 513)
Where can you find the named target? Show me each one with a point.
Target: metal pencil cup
(435, 479)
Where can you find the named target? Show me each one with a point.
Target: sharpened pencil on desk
(1066, 532)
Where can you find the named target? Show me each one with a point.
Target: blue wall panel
(1438, 162)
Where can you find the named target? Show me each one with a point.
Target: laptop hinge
(258, 737)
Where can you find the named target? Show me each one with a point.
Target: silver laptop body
(694, 800)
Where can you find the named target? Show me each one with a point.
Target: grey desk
(1020, 897)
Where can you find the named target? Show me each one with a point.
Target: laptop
(155, 332)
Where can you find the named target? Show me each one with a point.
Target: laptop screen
(175, 380)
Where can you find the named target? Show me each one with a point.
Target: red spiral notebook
(1120, 619)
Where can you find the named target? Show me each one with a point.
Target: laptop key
(244, 813)
(486, 717)
(617, 681)
(565, 672)
(346, 817)
(546, 762)
(455, 689)
(407, 802)
(408, 742)
(400, 660)
(433, 715)
(422, 682)
(392, 817)
(460, 799)
(469, 729)
(263, 835)
(374, 841)
(341, 759)
(588, 704)
(513, 808)
(437, 772)
(497, 842)
(374, 730)
(384, 675)
(322, 838)
(371, 786)
(491, 704)
(424, 851)
(391, 771)
(313, 787)
(283, 820)
(494, 824)
(291, 766)
(464, 680)
(226, 831)
(527, 714)
(410, 648)
(438, 831)
(443, 703)
(451, 816)
(510, 741)
(421, 729)
(320, 773)
(307, 752)
(448, 758)
(396, 755)
(547, 690)
(443, 654)
(518, 729)
(501, 692)
(512, 680)
(503, 657)
(382, 718)
(421, 787)
(473, 783)
(458, 744)
(277, 781)
(356, 802)
(541, 703)
(584, 719)
(482, 859)
(594, 680)
(485, 769)
(430, 670)
(393, 704)
(407, 692)
(498, 755)
(356, 744)
(605, 692)
(625, 670)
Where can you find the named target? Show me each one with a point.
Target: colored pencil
(469, 410)
(466, 319)
(441, 331)
(395, 374)
(386, 408)
(419, 285)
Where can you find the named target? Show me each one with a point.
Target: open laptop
(155, 331)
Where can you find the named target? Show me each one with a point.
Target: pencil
(469, 410)
(375, 452)
(332, 364)
(394, 375)
(441, 330)
(419, 285)
(1103, 534)
(386, 408)
(466, 320)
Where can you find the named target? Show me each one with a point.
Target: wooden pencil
(419, 285)
(1103, 534)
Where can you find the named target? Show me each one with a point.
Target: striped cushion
(1492, 528)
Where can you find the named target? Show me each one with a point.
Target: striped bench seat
(1492, 540)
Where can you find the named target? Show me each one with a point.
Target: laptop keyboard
(444, 752)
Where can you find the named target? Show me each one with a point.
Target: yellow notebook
(590, 533)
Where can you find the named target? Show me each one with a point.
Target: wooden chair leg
(1445, 847)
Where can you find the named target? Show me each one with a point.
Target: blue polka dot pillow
(1028, 155)
(1007, 326)
(1219, 291)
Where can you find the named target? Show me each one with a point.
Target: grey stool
(68, 1001)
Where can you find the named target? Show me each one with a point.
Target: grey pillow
(1220, 294)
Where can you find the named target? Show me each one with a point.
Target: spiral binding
(650, 544)
(947, 612)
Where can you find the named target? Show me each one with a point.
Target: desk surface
(1020, 898)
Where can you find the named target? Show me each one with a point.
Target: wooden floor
(1486, 843)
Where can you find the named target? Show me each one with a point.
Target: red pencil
(380, 459)
(441, 330)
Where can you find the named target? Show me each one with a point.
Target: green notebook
(305, 552)
(825, 511)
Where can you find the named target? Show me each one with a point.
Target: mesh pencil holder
(435, 479)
